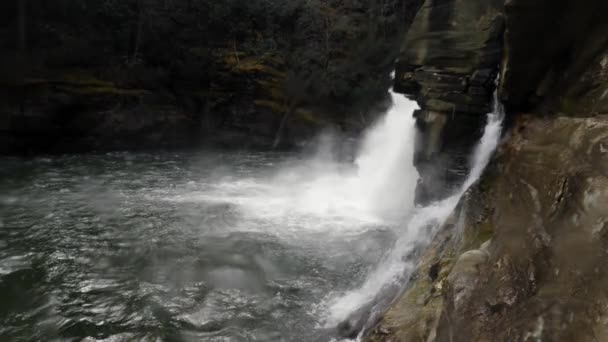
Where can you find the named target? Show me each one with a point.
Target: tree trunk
(327, 34)
(383, 18)
(22, 43)
(139, 33)
(279, 134)
(22, 24)
(236, 53)
(207, 119)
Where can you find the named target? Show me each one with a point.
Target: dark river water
(178, 247)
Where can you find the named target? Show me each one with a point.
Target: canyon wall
(521, 258)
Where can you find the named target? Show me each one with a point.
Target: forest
(252, 67)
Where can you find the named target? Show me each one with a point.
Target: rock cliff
(521, 257)
(449, 63)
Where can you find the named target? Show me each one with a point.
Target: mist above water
(327, 198)
(379, 186)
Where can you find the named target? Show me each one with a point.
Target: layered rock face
(522, 257)
(529, 263)
(449, 63)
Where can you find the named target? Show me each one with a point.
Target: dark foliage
(329, 60)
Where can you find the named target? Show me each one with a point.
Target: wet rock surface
(449, 63)
(522, 257)
(541, 211)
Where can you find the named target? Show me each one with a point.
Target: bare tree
(293, 95)
(22, 45)
(139, 30)
(290, 109)
(22, 24)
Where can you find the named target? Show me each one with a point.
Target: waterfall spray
(386, 174)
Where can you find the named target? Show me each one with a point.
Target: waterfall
(369, 300)
(386, 174)
(487, 144)
(321, 198)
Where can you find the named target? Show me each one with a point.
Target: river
(210, 246)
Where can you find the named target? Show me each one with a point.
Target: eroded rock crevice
(449, 63)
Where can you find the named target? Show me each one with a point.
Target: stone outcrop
(85, 110)
(449, 63)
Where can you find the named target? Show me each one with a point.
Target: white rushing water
(377, 189)
(386, 175)
(321, 198)
(394, 271)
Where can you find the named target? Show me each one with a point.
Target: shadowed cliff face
(449, 63)
(451, 54)
(522, 257)
(542, 275)
(556, 53)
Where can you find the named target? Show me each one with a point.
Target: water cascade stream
(387, 280)
(214, 246)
